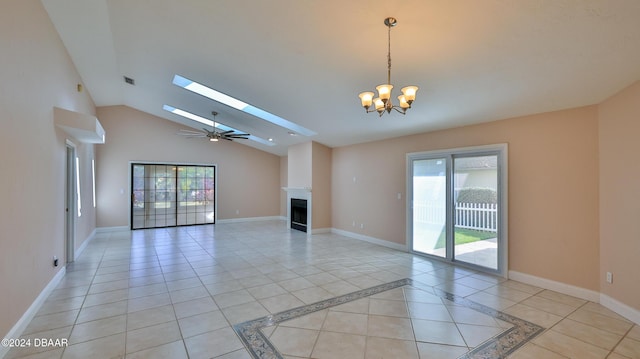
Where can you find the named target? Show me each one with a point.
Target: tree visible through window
(166, 195)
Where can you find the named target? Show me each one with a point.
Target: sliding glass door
(457, 208)
(167, 195)
(430, 206)
(475, 210)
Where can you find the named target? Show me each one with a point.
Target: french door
(457, 209)
(168, 195)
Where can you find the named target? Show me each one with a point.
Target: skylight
(240, 105)
(208, 122)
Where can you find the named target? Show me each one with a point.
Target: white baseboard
(22, 323)
(378, 241)
(624, 310)
(248, 219)
(26, 318)
(320, 230)
(84, 244)
(221, 221)
(559, 287)
(112, 229)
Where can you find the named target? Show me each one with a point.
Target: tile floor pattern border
(498, 346)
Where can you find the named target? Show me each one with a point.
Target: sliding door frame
(162, 163)
(501, 150)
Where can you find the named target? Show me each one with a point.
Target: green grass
(463, 236)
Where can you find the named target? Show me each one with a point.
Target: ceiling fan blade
(225, 132)
(227, 138)
(192, 135)
(181, 132)
(238, 134)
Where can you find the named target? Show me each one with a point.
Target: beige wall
(36, 74)
(321, 186)
(284, 176)
(619, 195)
(248, 179)
(553, 189)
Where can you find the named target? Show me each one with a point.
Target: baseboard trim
(378, 241)
(112, 229)
(248, 219)
(84, 244)
(559, 287)
(321, 230)
(624, 310)
(31, 312)
(17, 330)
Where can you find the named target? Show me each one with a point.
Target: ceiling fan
(214, 135)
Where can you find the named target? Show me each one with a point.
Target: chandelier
(383, 102)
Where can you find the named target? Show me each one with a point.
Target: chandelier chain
(389, 54)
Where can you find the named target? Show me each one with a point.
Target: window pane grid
(172, 195)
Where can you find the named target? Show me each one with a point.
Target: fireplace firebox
(299, 214)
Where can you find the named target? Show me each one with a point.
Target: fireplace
(299, 214)
(299, 218)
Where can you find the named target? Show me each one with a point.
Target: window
(78, 187)
(93, 180)
(167, 195)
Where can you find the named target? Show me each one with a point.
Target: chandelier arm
(403, 111)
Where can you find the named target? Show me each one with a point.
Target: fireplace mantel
(301, 193)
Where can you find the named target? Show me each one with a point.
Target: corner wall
(284, 173)
(321, 185)
(619, 125)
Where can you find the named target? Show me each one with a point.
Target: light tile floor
(178, 292)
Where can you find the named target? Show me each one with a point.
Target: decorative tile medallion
(499, 346)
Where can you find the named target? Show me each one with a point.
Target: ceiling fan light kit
(214, 135)
(383, 102)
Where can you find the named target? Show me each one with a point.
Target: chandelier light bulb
(384, 92)
(367, 99)
(409, 93)
(379, 104)
(404, 104)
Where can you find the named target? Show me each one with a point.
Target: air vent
(129, 80)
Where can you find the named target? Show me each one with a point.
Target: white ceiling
(307, 60)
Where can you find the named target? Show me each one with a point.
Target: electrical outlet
(361, 225)
(353, 224)
(609, 277)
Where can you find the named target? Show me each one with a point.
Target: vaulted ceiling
(307, 60)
